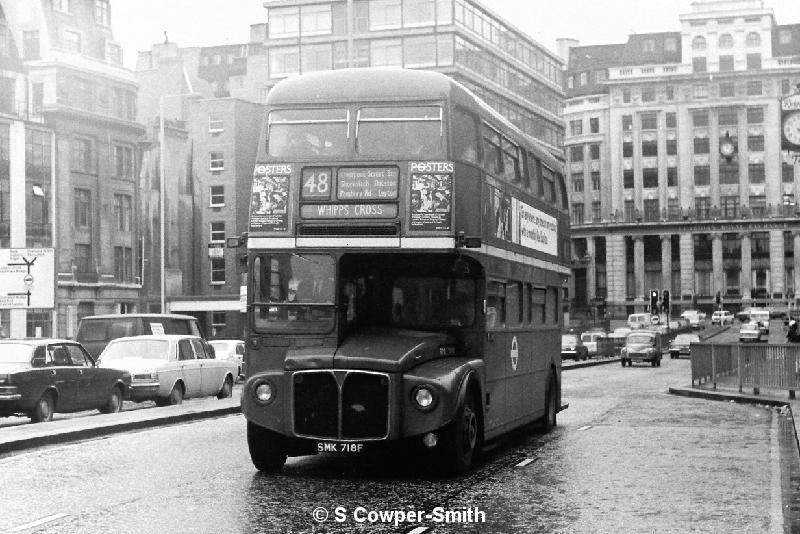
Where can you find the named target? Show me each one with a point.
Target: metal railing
(756, 366)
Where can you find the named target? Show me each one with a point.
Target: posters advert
(431, 195)
(270, 198)
(512, 220)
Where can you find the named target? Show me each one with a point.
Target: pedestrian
(793, 335)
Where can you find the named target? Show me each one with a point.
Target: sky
(138, 24)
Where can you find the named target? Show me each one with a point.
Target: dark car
(681, 345)
(95, 331)
(642, 346)
(39, 377)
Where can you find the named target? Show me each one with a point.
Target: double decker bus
(406, 256)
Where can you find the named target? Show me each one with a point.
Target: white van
(640, 320)
(761, 315)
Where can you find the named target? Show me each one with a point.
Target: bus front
(362, 312)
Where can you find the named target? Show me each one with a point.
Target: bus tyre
(267, 449)
(550, 419)
(461, 438)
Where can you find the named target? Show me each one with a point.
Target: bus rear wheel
(462, 437)
(550, 419)
(267, 449)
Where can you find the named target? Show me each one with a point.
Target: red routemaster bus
(406, 252)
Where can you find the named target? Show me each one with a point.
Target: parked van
(640, 320)
(761, 315)
(95, 331)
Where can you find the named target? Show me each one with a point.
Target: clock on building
(790, 126)
(726, 146)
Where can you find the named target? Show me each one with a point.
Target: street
(626, 456)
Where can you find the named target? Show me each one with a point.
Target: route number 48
(317, 183)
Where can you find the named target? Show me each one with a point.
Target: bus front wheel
(462, 437)
(267, 449)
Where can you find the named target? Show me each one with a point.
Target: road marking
(418, 530)
(587, 427)
(525, 462)
(38, 522)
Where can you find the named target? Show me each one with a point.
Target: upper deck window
(411, 132)
(308, 133)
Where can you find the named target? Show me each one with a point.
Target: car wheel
(227, 389)
(622, 362)
(652, 363)
(44, 408)
(114, 402)
(460, 443)
(267, 448)
(175, 396)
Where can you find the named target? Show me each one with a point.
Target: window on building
(113, 53)
(726, 63)
(316, 57)
(576, 127)
(727, 89)
(650, 147)
(216, 161)
(577, 182)
(729, 206)
(577, 213)
(701, 145)
(670, 93)
(702, 207)
(594, 151)
(755, 115)
(755, 173)
(648, 94)
(651, 210)
(83, 258)
(673, 209)
(755, 143)
(627, 178)
(217, 196)
(699, 64)
(82, 207)
(700, 91)
(123, 162)
(218, 232)
(576, 153)
(315, 19)
(419, 51)
(385, 53)
(672, 176)
(702, 175)
(699, 43)
(82, 160)
(786, 86)
(649, 178)
(725, 41)
(63, 6)
(700, 118)
(754, 88)
(217, 271)
(594, 125)
(752, 40)
(627, 123)
(788, 205)
(728, 173)
(123, 212)
(753, 61)
(728, 117)
(787, 173)
(597, 215)
(758, 205)
(629, 211)
(626, 96)
(216, 123)
(595, 181)
(123, 264)
(102, 12)
(284, 61)
(72, 41)
(384, 14)
(419, 13)
(672, 147)
(785, 36)
(671, 120)
(30, 45)
(649, 121)
(670, 44)
(284, 22)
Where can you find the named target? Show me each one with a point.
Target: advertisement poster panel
(512, 220)
(431, 196)
(269, 203)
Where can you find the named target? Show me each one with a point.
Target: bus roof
(380, 84)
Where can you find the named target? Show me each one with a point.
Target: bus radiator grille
(365, 406)
(316, 401)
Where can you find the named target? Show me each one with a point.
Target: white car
(696, 319)
(590, 341)
(749, 331)
(229, 349)
(170, 368)
(722, 317)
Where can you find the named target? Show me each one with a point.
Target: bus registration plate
(328, 446)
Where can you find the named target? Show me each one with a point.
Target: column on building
(591, 270)
(666, 262)
(687, 264)
(776, 263)
(615, 268)
(796, 238)
(716, 262)
(746, 277)
(638, 266)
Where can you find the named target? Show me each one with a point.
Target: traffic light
(665, 301)
(653, 301)
(718, 298)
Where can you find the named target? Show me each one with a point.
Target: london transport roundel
(791, 127)
(514, 353)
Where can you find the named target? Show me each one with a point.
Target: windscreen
(634, 339)
(298, 134)
(15, 353)
(149, 349)
(402, 132)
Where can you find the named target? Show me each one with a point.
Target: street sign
(27, 278)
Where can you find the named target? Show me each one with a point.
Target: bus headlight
(424, 398)
(264, 392)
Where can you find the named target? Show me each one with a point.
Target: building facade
(73, 147)
(676, 177)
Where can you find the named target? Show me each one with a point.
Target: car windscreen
(683, 338)
(569, 340)
(220, 348)
(15, 353)
(149, 349)
(92, 330)
(638, 339)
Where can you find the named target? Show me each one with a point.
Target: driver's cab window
(495, 304)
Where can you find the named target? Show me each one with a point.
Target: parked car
(39, 377)
(95, 331)
(170, 368)
(749, 332)
(229, 349)
(642, 346)
(722, 317)
(589, 340)
(571, 347)
(761, 316)
(696, 319)
(681, 345)
(744, 315)
(640, 320)
(618, 336)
